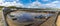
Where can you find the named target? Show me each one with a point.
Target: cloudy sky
(31, 3)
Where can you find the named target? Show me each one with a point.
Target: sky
(31, 3)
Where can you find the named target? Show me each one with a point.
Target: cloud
(54, 4)
(35, 4)
(14, 3)
(1, 1)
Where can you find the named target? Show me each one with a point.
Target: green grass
(0, 9)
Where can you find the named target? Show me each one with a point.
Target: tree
(12, 6)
